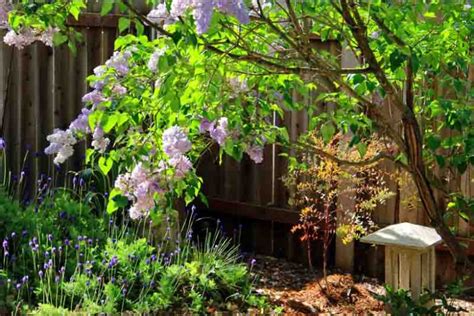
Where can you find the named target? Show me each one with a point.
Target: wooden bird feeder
(410, 259)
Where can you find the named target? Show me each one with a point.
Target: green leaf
(362, 149)
(116, 200)
(123, 24)
(75, 8)
(327, 130)
(433, 142)
(429, 14)
(72, 47)
(93, 118)
(203, 199)
(89, 153)
(440, 160)
(140, 28)
(59, 38)
(396, 60)
(105, 164)
(109, 122)
(107, 6)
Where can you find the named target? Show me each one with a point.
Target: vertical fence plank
(415, 275)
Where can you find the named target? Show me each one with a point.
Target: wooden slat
(395, 269)
(388, 266)
(432, 269)
(404, 272)
(279, 215)
(425, 272)
(95, 20)
(415, 275)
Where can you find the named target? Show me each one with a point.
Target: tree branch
(359, 31)
(343, 162)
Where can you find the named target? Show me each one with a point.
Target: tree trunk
(425, 190)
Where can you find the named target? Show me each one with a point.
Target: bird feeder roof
(406, 235)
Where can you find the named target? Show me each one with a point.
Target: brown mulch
(298, 291)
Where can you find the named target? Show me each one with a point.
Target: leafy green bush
(400, 301)
(62, 255)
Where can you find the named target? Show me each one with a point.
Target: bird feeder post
(410, 261)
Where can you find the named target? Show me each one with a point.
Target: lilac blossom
(181, 165)
(154, 58)
(236, 8)
(255, 153)
(203, 10)
(139, 174)
(140, 187)
(19, 40)
(99, 142)
(238, 86)
(3, 144)
(61, 143)
(118, 89)
(160, 14)
(202, 13)
(175, 141)
(206, 125)
(219, 133)
(27, 36)
(119, 62)
(100, 70)
(5, 7)
(81, 123)
(47, 36)
(95, 97)
(125, 185)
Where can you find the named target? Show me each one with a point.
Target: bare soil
(298, 291)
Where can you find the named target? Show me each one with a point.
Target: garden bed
(298, 291)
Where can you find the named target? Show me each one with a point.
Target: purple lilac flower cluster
(161, 15)
(139, 186)
(142, 185)
(5, 7)
(154, 58)
(203, 10)
(255, 152)
(27, 36)
(99, 142)
(62, 141)
(176, 144)
(219, 132)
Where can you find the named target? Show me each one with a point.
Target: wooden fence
(41, 89)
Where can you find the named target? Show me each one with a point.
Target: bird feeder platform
(410, 260)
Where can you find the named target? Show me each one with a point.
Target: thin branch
(142, 17)
(359, 31)
(389, 33)
(343, 162)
